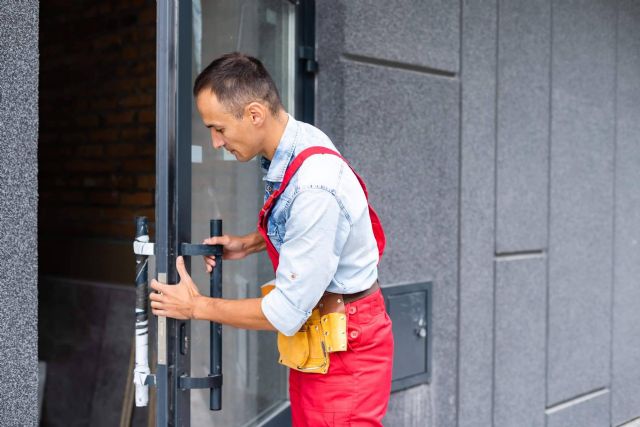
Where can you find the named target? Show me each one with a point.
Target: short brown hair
(238, 79)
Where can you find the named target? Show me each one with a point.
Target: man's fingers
(153, 296)
(218, 240)
(209, 262)
(157, 285)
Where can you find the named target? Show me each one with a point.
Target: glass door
(255, 385)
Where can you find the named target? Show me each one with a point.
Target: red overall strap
(263, 217)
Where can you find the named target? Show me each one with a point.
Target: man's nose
(216, 140)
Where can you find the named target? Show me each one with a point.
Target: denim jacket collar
(276, 168)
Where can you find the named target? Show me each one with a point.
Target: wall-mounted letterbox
(409, 306)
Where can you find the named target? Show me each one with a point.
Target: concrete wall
(499, 140)
(18, 210)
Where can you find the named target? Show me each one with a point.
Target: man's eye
(220, 130)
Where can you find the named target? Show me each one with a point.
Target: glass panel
(254, 383)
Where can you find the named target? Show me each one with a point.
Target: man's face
(238, 136)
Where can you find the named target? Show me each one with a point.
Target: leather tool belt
(324, 332)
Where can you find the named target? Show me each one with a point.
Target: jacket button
(352, 309)
(354, 334)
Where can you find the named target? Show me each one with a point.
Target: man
(323, 239)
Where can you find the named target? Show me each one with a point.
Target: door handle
(143, 249)
(214, 380)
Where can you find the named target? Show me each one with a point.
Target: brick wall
(97, 117)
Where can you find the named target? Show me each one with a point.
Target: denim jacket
(320, 226)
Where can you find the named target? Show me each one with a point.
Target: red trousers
(355, 391)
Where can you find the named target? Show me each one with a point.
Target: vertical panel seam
(460, 146)
(495, 211)
(613, 210)
(548, 258)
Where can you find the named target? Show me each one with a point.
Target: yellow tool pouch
(323, 333)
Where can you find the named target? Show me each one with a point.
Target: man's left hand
(175, 301)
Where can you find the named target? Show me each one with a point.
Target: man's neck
(274, 134)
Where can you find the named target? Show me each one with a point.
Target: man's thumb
(182, 269)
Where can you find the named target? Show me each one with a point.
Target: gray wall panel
(330, 16)
(580, 253)
(588, 411)
(626, 307)
(520, 342)
(410, 408)
(417, 32)
(523, 124)
(477, 202)
(406, 148)
(18, 213)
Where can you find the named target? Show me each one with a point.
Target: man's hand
(175, 301)
(234, 247)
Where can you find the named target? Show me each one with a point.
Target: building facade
(501, 147)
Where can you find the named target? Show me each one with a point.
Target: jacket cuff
(282, 314)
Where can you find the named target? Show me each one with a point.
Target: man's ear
(256, 112)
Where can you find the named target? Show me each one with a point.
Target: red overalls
(355, 391)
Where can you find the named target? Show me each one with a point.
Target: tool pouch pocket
(294, 350)
(334, 327)
(306, 350)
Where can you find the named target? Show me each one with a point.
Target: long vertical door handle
(215, 329)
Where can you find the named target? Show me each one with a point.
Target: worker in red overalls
(324, 241)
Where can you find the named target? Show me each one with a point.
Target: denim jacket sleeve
(315, 234)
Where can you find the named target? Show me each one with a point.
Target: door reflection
(254, 383)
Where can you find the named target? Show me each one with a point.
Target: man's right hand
(234, 247)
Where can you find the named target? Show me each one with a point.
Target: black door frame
(173, 198)
(173, 183)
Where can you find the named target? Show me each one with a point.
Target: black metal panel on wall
(409, 306)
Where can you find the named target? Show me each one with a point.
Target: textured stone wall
(500, 143)
(548, 279)
(18, 208)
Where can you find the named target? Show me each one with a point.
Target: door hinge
(307, 55)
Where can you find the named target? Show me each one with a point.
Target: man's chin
(240, 157)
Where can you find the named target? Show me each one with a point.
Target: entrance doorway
(97, 172)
